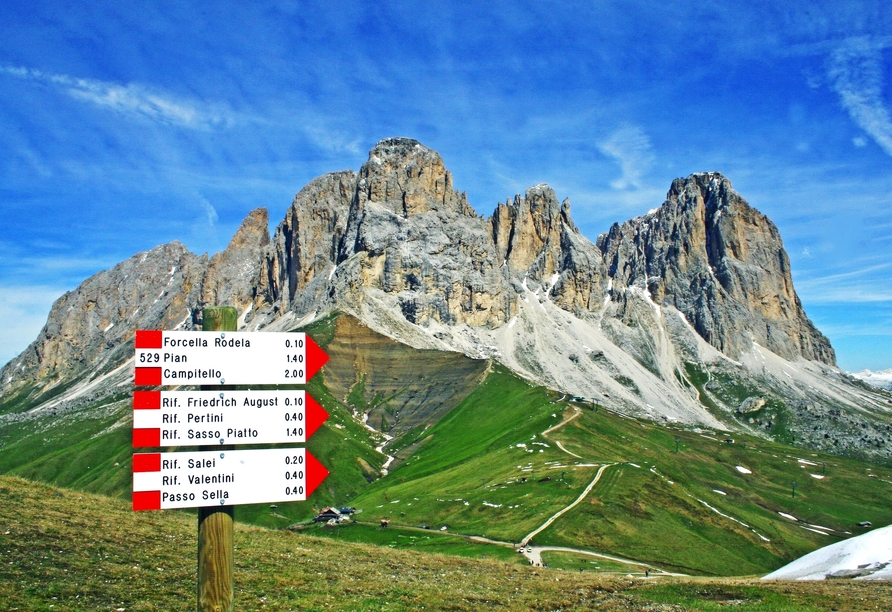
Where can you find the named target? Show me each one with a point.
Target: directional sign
(210, 478)
(225, 358)
(183, 418)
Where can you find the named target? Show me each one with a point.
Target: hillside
(470, 453)
(146, 562)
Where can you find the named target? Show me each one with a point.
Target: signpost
(225, 358)
(180, 418)
(216, 477)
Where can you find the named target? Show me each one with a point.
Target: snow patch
(865, 557)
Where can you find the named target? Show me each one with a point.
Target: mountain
(687, 314)
(864, 557)
(881, 379)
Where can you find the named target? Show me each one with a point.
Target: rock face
(702, 279)
(89, 330)
(536, 238)
(412, 237)
(306, 244)
(722, 264)
(92, 326)
(232, 277)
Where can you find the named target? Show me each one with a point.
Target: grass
(416, 538)
(69, 550)
(656, 512)
(574, 562)
(485, 469)
(692, 512)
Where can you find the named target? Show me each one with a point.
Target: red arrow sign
(316, 358)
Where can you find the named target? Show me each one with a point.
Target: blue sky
(126, 125)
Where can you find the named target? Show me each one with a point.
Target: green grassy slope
(66, 550)
(693, 512)
(486, 468)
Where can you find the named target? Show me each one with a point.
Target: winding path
(559, 513)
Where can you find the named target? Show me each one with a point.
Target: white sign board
(185, 418)
(225, 358)
(212, 478)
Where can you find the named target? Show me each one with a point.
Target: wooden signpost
(216, 477)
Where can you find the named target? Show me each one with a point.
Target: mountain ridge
(699, 286)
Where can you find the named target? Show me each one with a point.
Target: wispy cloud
(869, 284)
(132, 99)
(855, 71)
(210, 213)
(631, 148)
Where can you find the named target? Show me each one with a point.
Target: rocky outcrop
(306, 244)
(536, 238)
(233, 276)
(721, 263)
(413, 238)
(92, 326)
(399, 248)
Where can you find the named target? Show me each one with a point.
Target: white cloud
(855, 71)
(210, 213)
(864, 285)
(132, 99)
(631, 148)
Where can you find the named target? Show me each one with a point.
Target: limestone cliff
(701, 283)
(722, 264)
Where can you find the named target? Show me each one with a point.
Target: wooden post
(215, 548)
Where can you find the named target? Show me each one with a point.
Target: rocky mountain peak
(397, 247)
(531, 228)
(721, 263)
(234, 274)
(407, 178)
